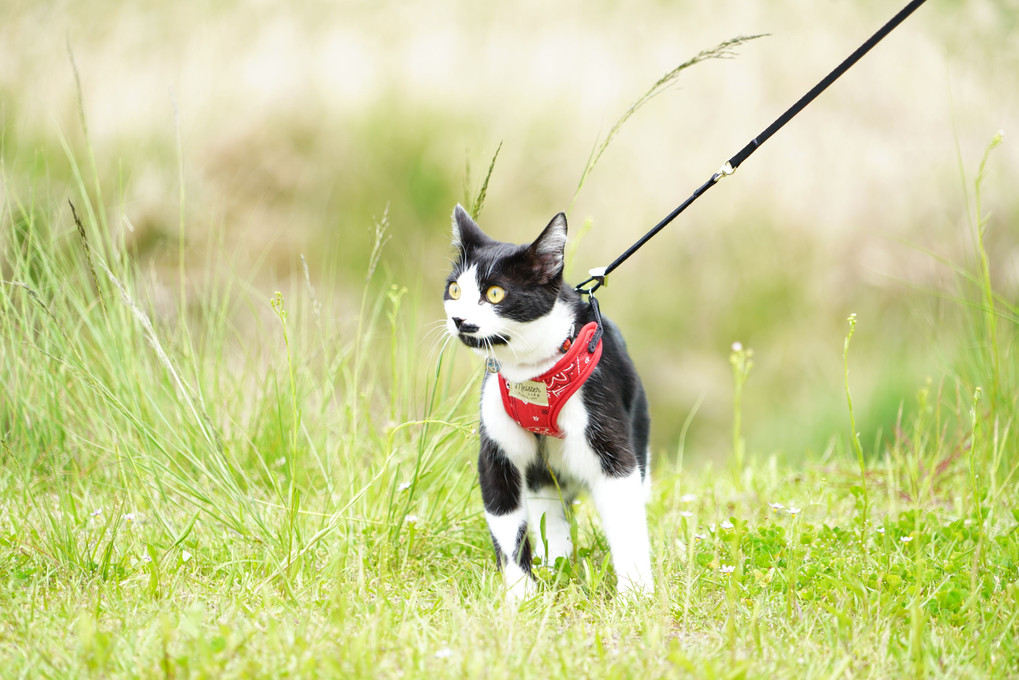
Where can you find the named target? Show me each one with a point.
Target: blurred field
(299, 123)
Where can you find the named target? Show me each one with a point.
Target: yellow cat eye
(495, 295)
(454, 291)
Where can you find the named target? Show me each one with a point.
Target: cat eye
(454, 291)
(495, 295)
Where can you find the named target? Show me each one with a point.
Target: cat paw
(519, 590)
(635, 587)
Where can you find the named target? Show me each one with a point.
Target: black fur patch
(617, 411)
(501, 487)
(522, 555)
(538, 476)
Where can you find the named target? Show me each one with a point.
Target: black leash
(598, 275)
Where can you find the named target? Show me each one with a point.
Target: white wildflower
(403, 487)
(444, 653)
(144, 558)
(726, 524)
(727, 568)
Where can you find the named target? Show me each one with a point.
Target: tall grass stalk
(854, 435)
(479, 200)
(741, 360)
(723, 50)
(979, 222)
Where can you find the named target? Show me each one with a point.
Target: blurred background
(295, 126)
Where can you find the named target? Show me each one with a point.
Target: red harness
(535, 404)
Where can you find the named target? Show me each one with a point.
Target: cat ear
(547, 251)
(466, 232)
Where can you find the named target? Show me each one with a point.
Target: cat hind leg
(620, 504)
(547, 509)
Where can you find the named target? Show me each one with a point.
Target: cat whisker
(438, 338)
(436, 327)
(511, 335)
(438, 349)
(435, 347)
(434, 341)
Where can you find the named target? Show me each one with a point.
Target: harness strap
(535, 404)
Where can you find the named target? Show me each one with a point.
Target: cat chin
(525, 349)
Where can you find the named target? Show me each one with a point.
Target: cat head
(505, 299)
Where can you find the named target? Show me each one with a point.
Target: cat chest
(570, 454)
(536, 404)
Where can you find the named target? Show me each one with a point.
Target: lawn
(181, 496)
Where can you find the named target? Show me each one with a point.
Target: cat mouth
(476, 342)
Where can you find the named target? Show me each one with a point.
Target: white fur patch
(470, 307)
(518, 444)
(534, 345)
(505, 529)
(547, 503)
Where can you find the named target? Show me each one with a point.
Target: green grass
(249, 483)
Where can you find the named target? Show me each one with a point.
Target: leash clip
(724, 171)
(597, 278)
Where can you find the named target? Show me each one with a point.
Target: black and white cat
(509, 303)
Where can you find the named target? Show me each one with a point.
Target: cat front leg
(506, 514)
